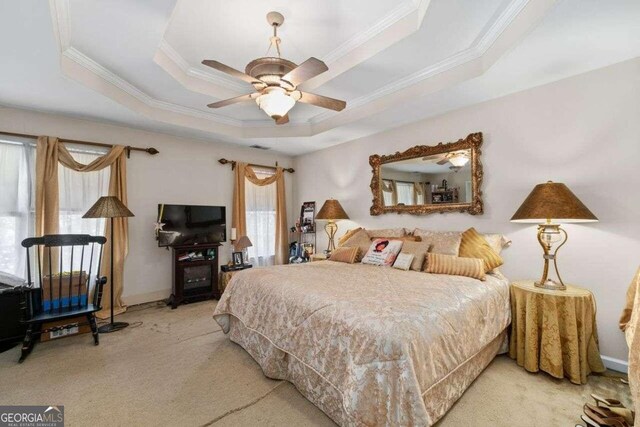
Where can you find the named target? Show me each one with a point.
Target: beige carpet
(177, 368)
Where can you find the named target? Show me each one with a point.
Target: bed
(368, 345)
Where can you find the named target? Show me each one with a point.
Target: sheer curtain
(17, 173)
(387, 193)
(260, 205)
(405, 193)
(78, 191)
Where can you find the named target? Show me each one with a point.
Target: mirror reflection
(438, 179)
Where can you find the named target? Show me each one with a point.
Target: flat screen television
(188, 224)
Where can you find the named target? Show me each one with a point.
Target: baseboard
(616, 364)
(148, 297)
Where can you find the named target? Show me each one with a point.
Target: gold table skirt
(554, 331)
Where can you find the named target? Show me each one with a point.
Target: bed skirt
(278, 364)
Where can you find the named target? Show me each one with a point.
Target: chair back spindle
(58, 296)
(56, 290)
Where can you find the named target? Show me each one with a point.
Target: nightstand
(226, 274)
(554, 331)
(318, 257)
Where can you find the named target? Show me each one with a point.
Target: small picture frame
(237, 259)
(308, 217)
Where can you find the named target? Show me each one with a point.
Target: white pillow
(403, 261)
(382, 252)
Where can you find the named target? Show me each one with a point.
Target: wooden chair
(59, 295)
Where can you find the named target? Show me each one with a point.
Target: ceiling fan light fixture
(275, 102)
(459, 160)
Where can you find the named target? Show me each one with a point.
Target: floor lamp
(109, 207)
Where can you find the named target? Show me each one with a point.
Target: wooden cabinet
(195, 273)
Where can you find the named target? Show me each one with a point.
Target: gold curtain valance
(244, 172)
(50, 151)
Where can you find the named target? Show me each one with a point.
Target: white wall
(583, 131)
(186, 171)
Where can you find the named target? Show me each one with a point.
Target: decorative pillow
(418, 250)
(382, 252)
(359, 239)
(473, 245)
(497, 241)
(403, 261)
(442, 242)
(345, 254)
(387, 232)
(348, 235)
(455, 266)
(403, 238)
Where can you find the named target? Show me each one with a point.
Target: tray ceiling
(392, 61)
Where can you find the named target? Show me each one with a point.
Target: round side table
(554, 331)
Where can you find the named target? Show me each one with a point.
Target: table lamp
(330, 212)
(241, 245)
(548, 205)
(109, 207)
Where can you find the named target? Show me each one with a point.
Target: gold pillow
(455, 266)
(386, 232)
(359, 239)
(348, 235)
(473, 245)
(418, 250)
(497, 241)
(345, 254)
(403, 238)
(442, 242)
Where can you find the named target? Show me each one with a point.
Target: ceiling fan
(457, 158)
(276, 79)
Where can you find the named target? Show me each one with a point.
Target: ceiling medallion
(276, 79)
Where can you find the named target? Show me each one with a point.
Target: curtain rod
(129, 148)
(233, 165)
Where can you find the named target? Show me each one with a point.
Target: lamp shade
(108, 207)
(276, 102)
(552, 201)
(331, 210)
(243, 243)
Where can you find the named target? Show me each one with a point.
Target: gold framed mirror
(426, 179)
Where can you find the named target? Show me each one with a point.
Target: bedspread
(378, 338)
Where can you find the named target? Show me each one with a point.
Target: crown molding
(385, 32)
(83, 60)
(358, 40)
(195, 79)
(479, 47)
(502, 33)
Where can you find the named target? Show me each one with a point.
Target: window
(78, 192)
(405, 192)
(17, 175)
(260, 204)
(387, 196)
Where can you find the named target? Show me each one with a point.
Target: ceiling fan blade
(305, 71)
(319, 100)
(231, 71)
(283, 120)
(443, 162)
(230, 101)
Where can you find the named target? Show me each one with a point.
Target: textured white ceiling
(121, 37)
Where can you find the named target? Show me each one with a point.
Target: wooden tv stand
(195, 278)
